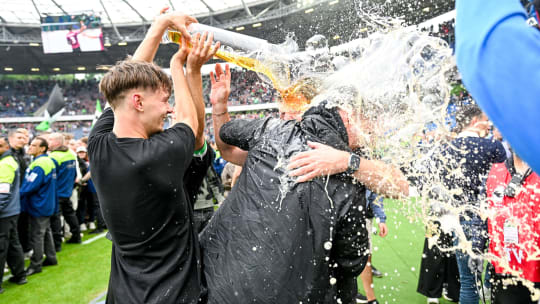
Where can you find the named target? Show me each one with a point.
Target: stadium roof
(120, 11)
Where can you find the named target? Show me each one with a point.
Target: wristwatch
(354, 164)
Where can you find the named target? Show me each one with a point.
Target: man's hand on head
(201, 51)
(321, 160)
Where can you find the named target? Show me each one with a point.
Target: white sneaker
(83, 227)
(91, 226)
(432, 301)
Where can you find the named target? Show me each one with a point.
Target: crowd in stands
(445, 31)
(24, 98)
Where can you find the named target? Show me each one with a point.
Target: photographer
(513, 230)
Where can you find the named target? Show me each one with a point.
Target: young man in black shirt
(141, 172)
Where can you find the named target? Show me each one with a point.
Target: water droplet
(333, 281)
(328, 245)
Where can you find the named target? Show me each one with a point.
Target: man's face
(156, 109)
(3, 146)
(17, 141)
(34, 149)
(360, 129)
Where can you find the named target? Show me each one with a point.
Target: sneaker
(91, 226)
(360, 298)
(28, 254)
(373, 302)
(376, 273)
(18, 281)
(1, 290)
(447, 297)
(432, 301)
(83, 227)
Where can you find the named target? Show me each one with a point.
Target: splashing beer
(293, 96)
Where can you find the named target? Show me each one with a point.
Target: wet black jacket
(273, 241)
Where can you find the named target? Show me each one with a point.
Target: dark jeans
(470, 269)
(10, 248)
(439, 267)
(42, 241)
(201, 218)
(66, 209)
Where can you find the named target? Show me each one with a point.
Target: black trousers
(85, 207)
(10, 248)
(66, 209)
(23, 227)
(438, 268)
(514, 293)
(42, 241)
(97, 212)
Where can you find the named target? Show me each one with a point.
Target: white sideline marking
(97, 237)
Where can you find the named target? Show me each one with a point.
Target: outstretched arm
(184, 107)
(148, 48)
(221, 88)
(201, 51)
(324, 160)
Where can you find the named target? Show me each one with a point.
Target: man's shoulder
(45, 163)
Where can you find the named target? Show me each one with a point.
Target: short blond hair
(132, 74)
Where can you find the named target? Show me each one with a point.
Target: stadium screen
(71, 34)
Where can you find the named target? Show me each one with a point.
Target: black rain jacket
(274, 241)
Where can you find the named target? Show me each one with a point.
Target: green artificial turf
(398, 255)
(81, 275)
(83, 270)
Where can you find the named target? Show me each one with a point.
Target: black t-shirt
(141, 189)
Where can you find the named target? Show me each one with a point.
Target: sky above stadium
(121, 12)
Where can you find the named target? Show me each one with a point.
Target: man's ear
(136, 102)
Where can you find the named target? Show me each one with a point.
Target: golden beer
(277, 72)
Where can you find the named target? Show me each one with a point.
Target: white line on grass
(99, 299)
(97, 237)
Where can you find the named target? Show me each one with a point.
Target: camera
(513, 185)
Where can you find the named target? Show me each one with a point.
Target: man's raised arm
(184, 107)
(201, 51)
(221, 88)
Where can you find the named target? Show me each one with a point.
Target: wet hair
(43, 143)
(465, 115)
(309, 87)
(131, 74)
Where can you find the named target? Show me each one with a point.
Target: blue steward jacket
(38, 191)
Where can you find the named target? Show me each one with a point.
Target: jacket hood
(323, 119)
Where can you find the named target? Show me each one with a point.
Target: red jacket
(520, 255)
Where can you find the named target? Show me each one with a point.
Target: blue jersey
(498, 56)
